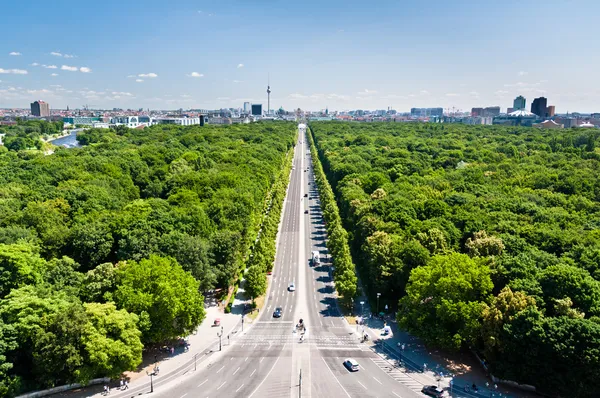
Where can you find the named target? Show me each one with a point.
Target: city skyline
(338, 55)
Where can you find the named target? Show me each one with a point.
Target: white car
(351, 365)
(292, 287)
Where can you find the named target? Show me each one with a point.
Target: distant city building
(491, 111)
(82, 120)
(256, 109)
(40, 109)
(519, 103)
(179, 121)
(510, 110)
(568, 122)
(594, 115)
(538, 106)
(425, 112)
(550, 111)
(517, 118)
(486, 120)
(549, 124)
(475, 112)
(247, 108)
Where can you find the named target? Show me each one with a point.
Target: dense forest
(107, 249)
(482, 237)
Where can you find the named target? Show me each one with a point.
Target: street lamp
(378, 294)
(220, 335)
(352, 308)
(361, 307)
(151, 383)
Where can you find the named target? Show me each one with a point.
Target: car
(278, 312)
(292, 287)
(305, 211)
(306, 195)
(434, 391)
(351, 365)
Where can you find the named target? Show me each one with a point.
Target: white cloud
(131, 76)
(69, 68)
(501, 93)
(522, 73)
(54, 74)
(139, 80)
(150, 75)
(14, 71)
(223, 99)
(424, 92)
(237, 81)
(196, 74)
(199, 12)
(85, 69)
(15, 53)
(367, 92)
(56, 54)
(49, 66)
(55, 85)
(452, 95)
(240, 66)
(121, 93)
(69, 56)
(186, 96)
(35, 64)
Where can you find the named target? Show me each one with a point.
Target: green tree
(444, 300)
(20, 264)
(256, 281)
(161, 292)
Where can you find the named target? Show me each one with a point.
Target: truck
(314, 259)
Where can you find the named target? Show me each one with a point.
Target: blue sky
(341, 54)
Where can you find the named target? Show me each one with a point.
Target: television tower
(268, 96)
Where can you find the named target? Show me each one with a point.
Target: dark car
(433, 391)
(277, 313)
(305, 211)
(305, 195)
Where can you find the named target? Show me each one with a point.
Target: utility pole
(195, 357)
(151, 383)
(300, 385)
(220, 335)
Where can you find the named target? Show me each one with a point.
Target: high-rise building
(247, 107)
(510, 110)
(519, 103)
(538, 106)
(40, 109)
(476, 112)
(491, 111)
(550, 111)
(256, 109)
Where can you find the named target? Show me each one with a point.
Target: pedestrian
(108, 390)
(105, 390)
(172, 350)
(122, 384)
(126, 385)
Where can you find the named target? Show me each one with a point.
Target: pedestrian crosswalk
(329, 341)
(398, 374)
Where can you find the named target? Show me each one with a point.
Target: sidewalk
(425, 365)
(202, 343)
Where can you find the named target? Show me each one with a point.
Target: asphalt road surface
(269, 360)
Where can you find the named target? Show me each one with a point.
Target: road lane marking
(239, 369)
(377, 381)
(254, 371)
(231, 359)
(268, 374)
(396, 394)
(262, 359)
(183, 395)
(226, 382)
(221, 368)
(336, 379)
(239, 388)
(200, 385)
(246, 359)
(356, 381)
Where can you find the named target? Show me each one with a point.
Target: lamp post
(378, 294)
(220, 335)
(352, 308)
(242, 322)
(151, 383)
(361, 307)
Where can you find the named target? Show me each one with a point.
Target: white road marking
(262, 359)
(334, 376)
(254, 371)
(246, 359)
(239, 369)
(377, 380)
(224, 384)
(356, 381)
(200, 385)
(261, 383)
(239, 388)
(183, 395)
(220, 369)
(396, 394)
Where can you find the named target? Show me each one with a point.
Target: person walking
(126, 385)
(121, 384)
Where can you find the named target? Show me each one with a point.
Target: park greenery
(29, 134)
(344, 273)
(481, 237)
(108, 249)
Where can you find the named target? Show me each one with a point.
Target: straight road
(269, 360)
